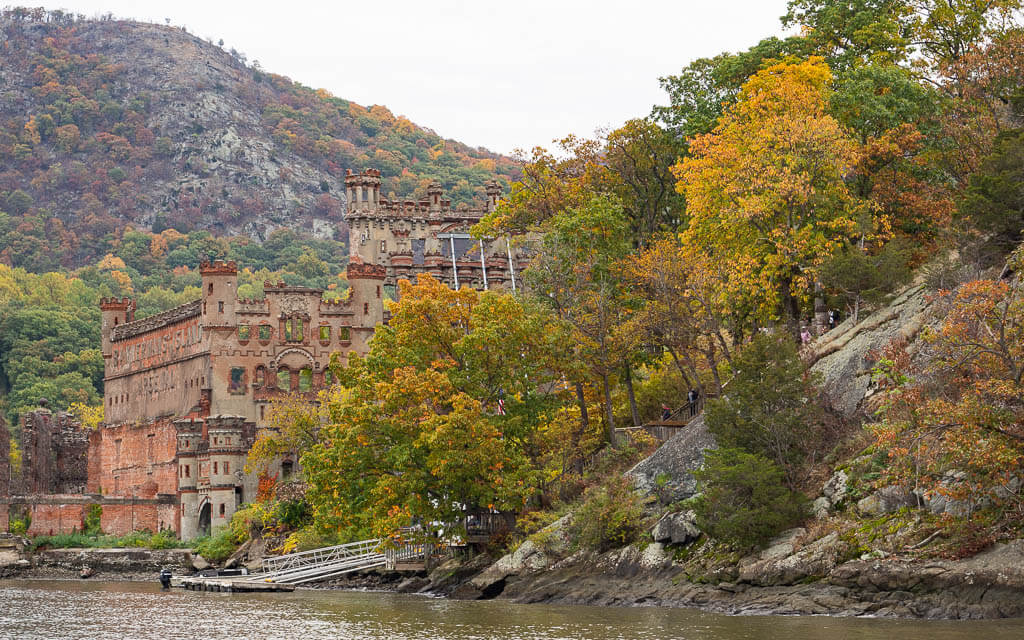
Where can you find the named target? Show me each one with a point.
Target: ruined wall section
(54, 453)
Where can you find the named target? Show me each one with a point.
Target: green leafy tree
(575, 273)
(414, 433)
(858, 275)
(743, 499)
(994, 199)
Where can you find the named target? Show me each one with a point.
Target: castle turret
(220, 286)
(114, 312)
(367, 298)
(362, 190)
(493, 190)
(227, 451)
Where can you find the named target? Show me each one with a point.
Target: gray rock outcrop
(668, 472)
(676, 528)
(840, 354)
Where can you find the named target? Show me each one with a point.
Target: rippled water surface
(107, 610)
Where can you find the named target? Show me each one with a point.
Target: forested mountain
(106, 124)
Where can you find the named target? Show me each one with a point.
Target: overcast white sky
(502, 75)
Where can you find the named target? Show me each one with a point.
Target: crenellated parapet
(116, 304)
(252, 306)
(218, 268)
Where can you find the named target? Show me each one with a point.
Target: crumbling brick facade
(5, 463)
(186, 392)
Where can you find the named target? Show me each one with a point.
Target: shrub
(92, 520)
(20, 526)
(611, 516)
(225, 541)
(218, 547)
(743, 500)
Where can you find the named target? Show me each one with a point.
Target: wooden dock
(238, 584)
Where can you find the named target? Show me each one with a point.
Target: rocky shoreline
(989, 585)
(813, 580)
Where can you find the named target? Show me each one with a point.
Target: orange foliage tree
(956, 427)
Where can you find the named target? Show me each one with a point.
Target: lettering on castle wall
(150, 350)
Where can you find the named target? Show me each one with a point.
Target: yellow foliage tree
(765, 189)
(91, 417)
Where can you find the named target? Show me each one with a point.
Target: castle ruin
(188, 391)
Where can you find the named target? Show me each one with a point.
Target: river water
(34, 610)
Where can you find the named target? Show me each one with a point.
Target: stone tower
(220, 286)
(114, 312)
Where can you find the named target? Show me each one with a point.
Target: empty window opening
(264, 332)
(214, 468)
(284, 380)
(243, 332)
(306, 379)
(238, 381)
(325, 333)
(222, 509)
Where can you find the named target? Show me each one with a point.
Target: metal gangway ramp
(320, 564)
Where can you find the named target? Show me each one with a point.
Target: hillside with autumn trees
(108, 124)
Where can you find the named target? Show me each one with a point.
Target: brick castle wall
(134, 460)
(5, 464)
(54, 453)
(52, 519)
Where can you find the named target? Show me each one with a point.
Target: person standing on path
(692, 397)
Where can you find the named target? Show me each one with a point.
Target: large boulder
(676, 528)
(668, 472)
(779, 565)
(540, 551)
(888, 500)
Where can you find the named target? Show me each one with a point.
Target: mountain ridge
(107, 124)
